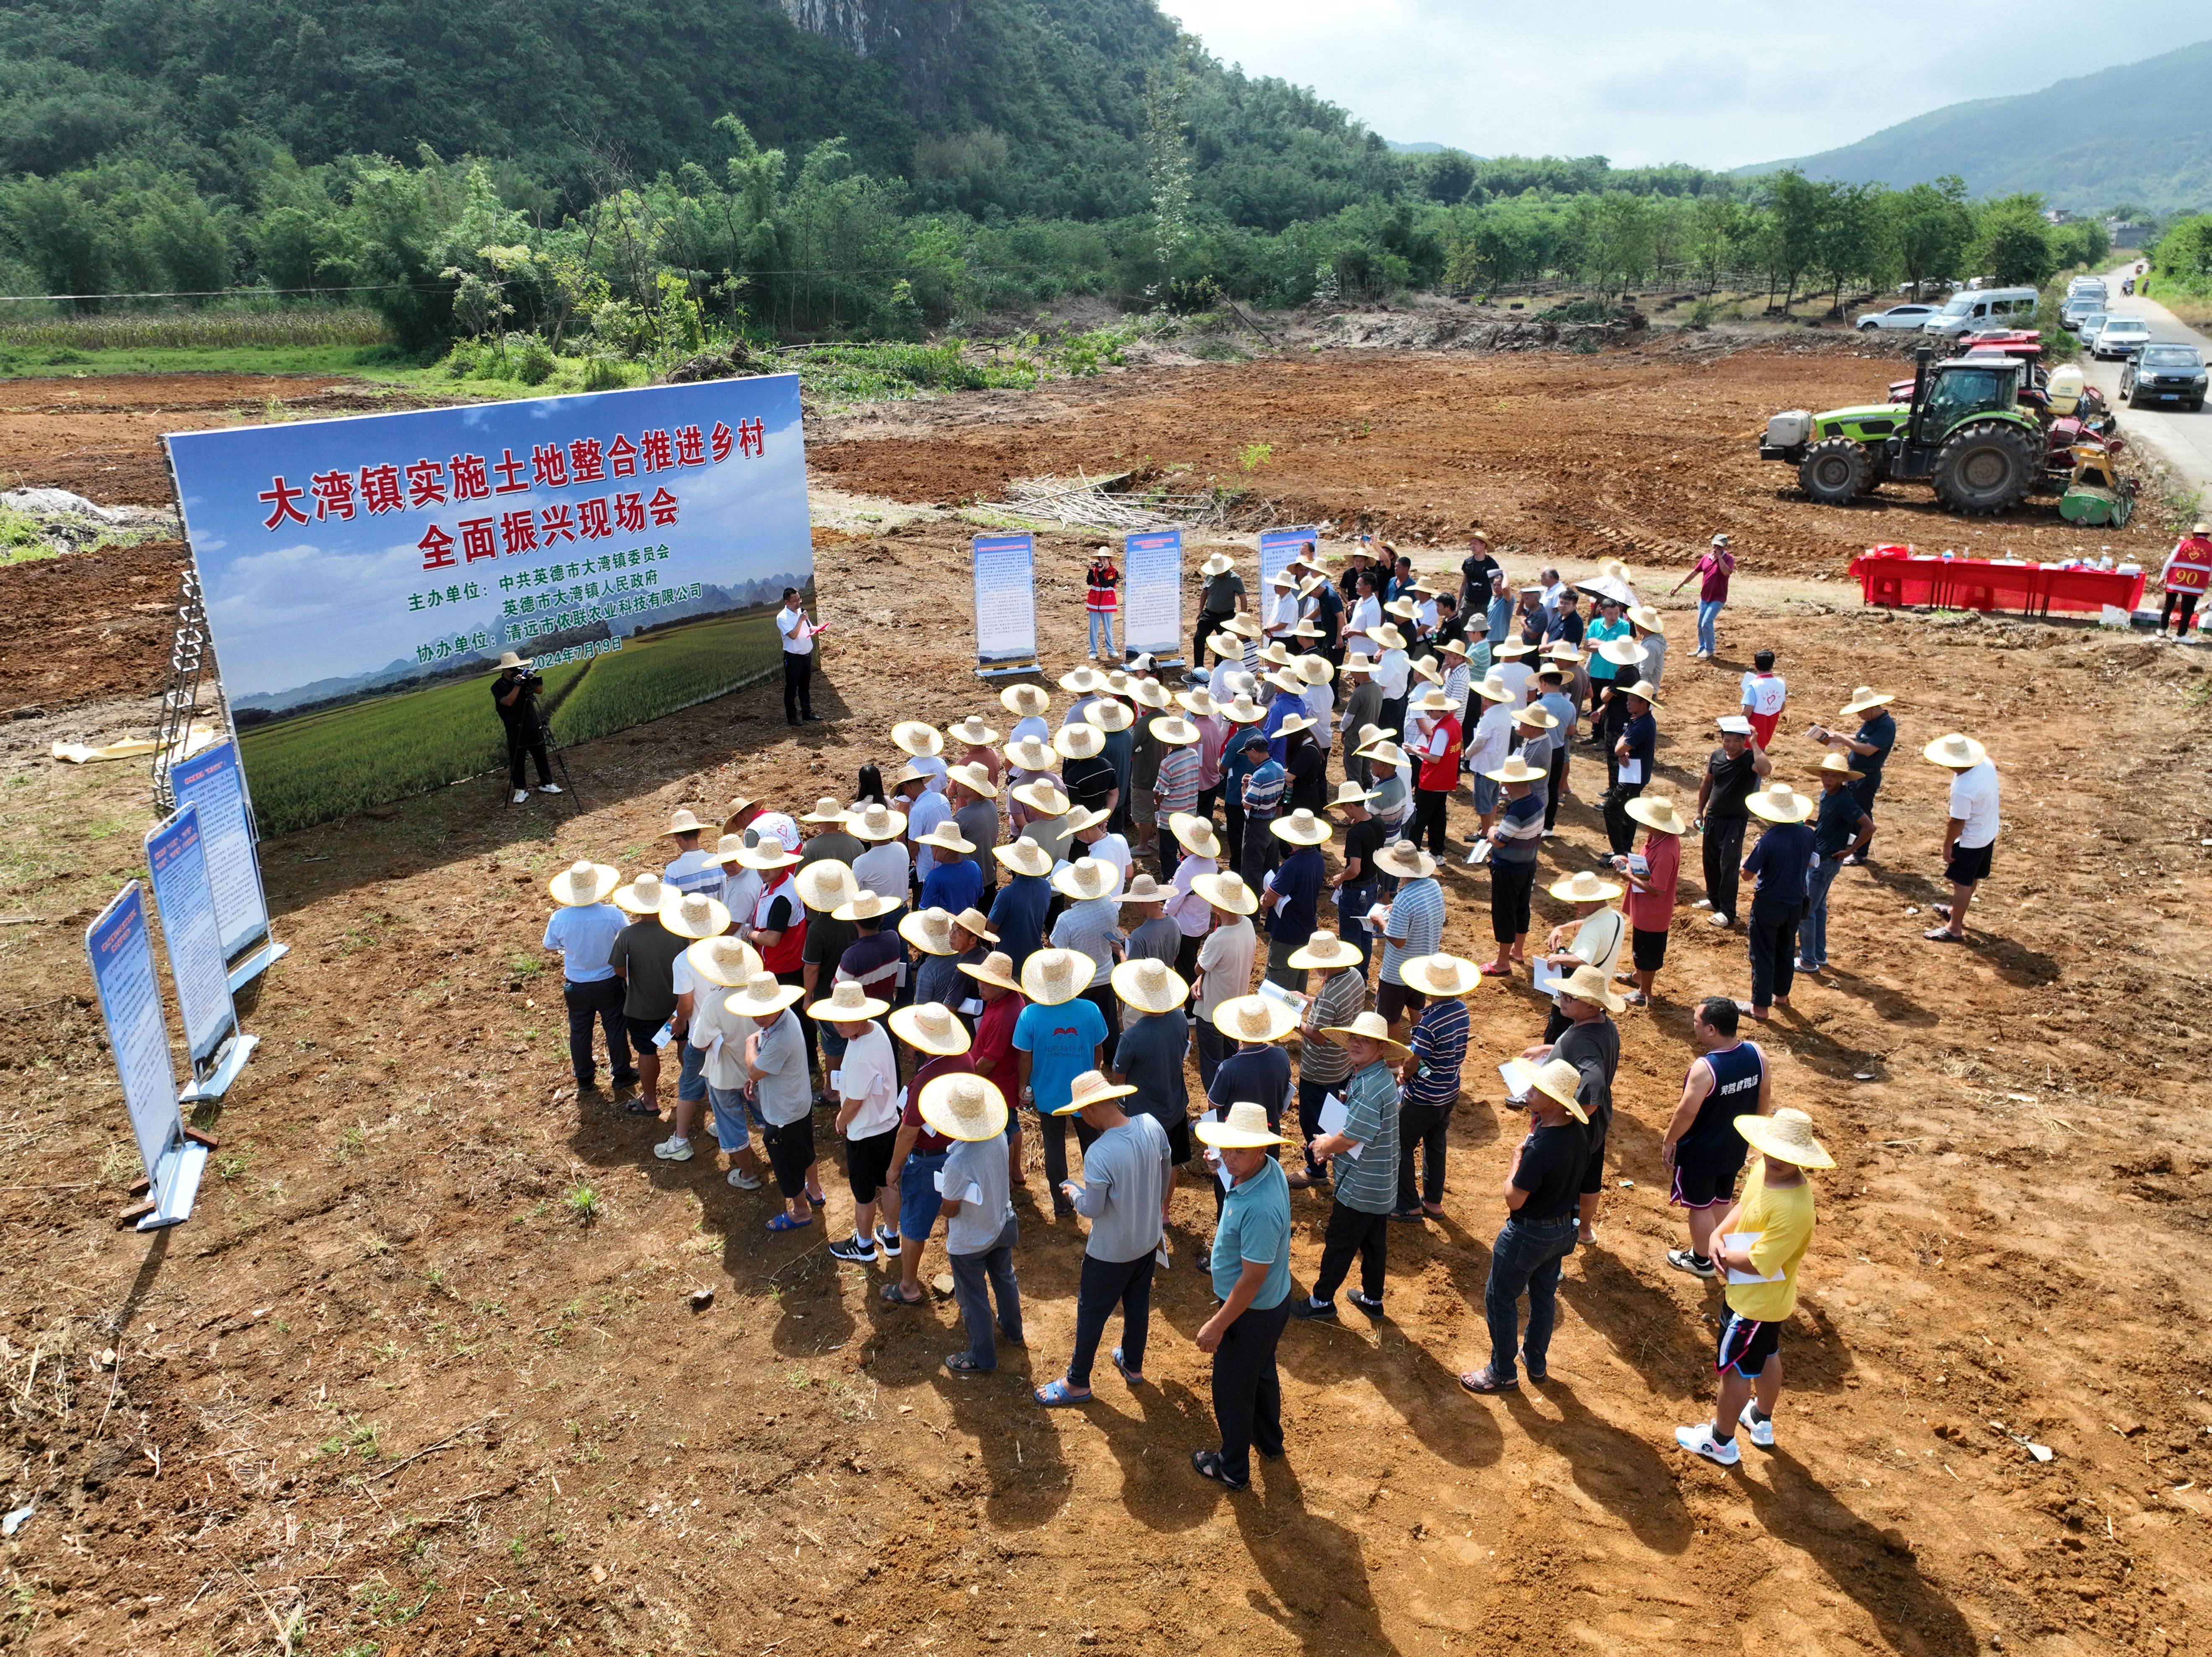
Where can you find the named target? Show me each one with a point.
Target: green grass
(664, 671)
(372, 361)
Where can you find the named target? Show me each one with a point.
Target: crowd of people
(1058, 913)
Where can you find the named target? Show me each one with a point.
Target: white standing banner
(122, 958)
(1005, 604)
(213, 781)
(176, 856)
(1152, 595)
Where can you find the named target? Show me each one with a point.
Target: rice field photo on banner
(363, 576)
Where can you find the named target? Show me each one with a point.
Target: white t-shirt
(882, 869)
(1764, 694)
(1283, 613)
(1321, 708)
(1391, 673)
(869, 1071)
(934, 767)
(1366, 616)
(1107, 848)
(1424, 613)
(1550, 596)
(797, 632)
(1225, 962)
(1974, 803)
(1517, 676)
(713, 1023)
(695, 871)
(741, 890)
(1493, 738)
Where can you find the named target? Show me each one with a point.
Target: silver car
(2091, 323)
(1898, 316)
(2120, 337)
(2079, 307)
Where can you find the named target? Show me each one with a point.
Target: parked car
(1898, 316)
(2086, 285)
(2090, 324)
(2079, 305)
(2164, 373)
(2119, 337)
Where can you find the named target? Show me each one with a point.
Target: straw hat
(1245, 1129)
(1198, 703)
(1079, 742)
(1194, 834)
(1219, 564)
(1031, 754)
(1023, 856)
(1274, 655)
(1404, 608)
(1255, 1018)
(1175, 731)
(1283, 578)
(1323, 952)
(929, 930)
(947, 834)
(682, 823)
(1658, 811)
(1226, 890)
(642, 896)
(1301, 828)
(1864, 697)
(1425, 669)
(727, 848)
(1243, 626)
(1837, 765)
(1584, 886)
(1091, 1088)
(1143, 889)
(1226, 645)
(963, 1106)
(1623, 652)
(764, 995)
(1553, 673)
(1316, 670)
(823, 885)
(1536, 719)
(996, 968)
(1384, 752)
(1025, 701)
(1433, 700)
(1517, 769)
(1050, 977)
(1388, 637)
(1441, 974)
(510, 659)
(915, 737)
(1515, 647)
(1779, 803)
(1555, 1078)
(1369, 1026)
(1786, 1136)
(1452, 647)
(974, 778)
(848, 1004)
(768, 853)
(1242, 711)
(1587, 983)
(1149, 693)
(973, 732)
(1082, 817)
(977, 924)
(1358, 662)
(723, 960)
(1349, 792)
(1294, 724)
(1286, 678)
(1646, 617)
(1086, 878)
(931, 1027)
(1150, 986)
(1084, 681)
(865, 906)
(1956, 752)
(1642, 691)
(1406, 860)
(1108, 716)
(826, 809)
(875, 822)
(583, 881)
(1492, 688)
(911, 772)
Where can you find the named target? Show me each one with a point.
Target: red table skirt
(1895, 577)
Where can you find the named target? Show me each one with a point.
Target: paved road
(2182, 440)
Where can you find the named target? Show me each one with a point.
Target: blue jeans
(1101, 632)
(918, 1197)
(1709, 614)
(1525, 1260)
(970, 1273)
(735, 1117)
(691, 1074)
(1812, 924)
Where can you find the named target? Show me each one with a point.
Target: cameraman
(515, 694)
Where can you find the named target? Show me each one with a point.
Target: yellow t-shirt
(1782, 1218)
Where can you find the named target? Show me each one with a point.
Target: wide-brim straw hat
(974, 778)
(1084, 681)
(1198, 703)
(1241, 711)
(1194, 834)
(1082, 817)
(826, 809)
(1245, 1128)
(582, 883)
(1286, 678)
(1836, 765)
(1226, 645)
(1079, 741)
(1090, 1088)
(961, 1105)
(1274, 654)
(1302, 827)
(876, 823)
(1025, 701)
(1493, 689)
(1358, 662)
(693, 915)
(910, 772)
(1031, 754)
(508, 659)
(1439, 975)
(1174, 730)
(1294, 724)
(1406, 860)
(1042, 794)
(1433, 700)
(1956, 752)
(1453, 647)
(1150, 986)
(1587, 983)
(947, 834)
(723, 960)
(1515, 647)
(973, 732)
(1656, 811)
(1024, 857)
(1086, 878)
(1349, 792)
(1143, 889)
(1517, 769)
(768, 854)
(1623, 652)
(1109, 716)
(1405, 608)
(728, 848)
(1243, 626)
(996, 968)
(1565, 653)
(823, 885)
(1323, 952)
(1316, 670)
(1555, 1078)
(1786, 1136)
(1584, 886)
(1647, 618)
(1384, 752)
(1866, 696)
(1368, 1026)
(1219, 564)
(1779, 803)
(1388, 637)
(1643, 692)
(1052, 977)
(929, 930)
(976, 924)
(1255, 1018)
(1149, 693)
(930, 1027)
(848, 1004)
(915, 737)
(865, 906)
(1227, 890)
(642, 896)
(684, 822)
(764, 995)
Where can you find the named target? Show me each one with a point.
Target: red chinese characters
(436, 548)
(691, 446)
(557, 524)
(663, 507)
(510, 470)
(469, 481)
(380, 489)
(549, 466)
(280, 497)
(629, 513)
(518, 531)
(654, 447)
(622, 458)
(753, 438)
(718, 441)
(591, 519)
(426, 484)
(477, 541)
(333, 493)
(587, 463)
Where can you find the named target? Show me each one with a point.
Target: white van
(1988, 308)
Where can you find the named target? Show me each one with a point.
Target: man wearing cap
(1970, 833)
(979, 1228)
(1841, 829)
(1363, 1153)
(867, 1084)
(1712, 569)
(583, 928)
(1542, 1192)
(1868, 750)
(1728, 1079)
(1224, 963)
(1413, 927)
(1259, 791)
(1732, 771)
(2187, 573)
(1017, 914)
(1651, 877)
(643, 955)
(1060, 1033)
(1221, 595)
(1761, 1241)
(798, 635)
(1782, 862)
(1429, 1081)
(1251, 1270)
(940, 1043)
(1636, 752)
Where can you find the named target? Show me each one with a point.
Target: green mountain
(2141, 133)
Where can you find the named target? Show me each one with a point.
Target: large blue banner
(122, 956)
(1151, 593)
(1005, 599)
(177, 861)
(362, 576)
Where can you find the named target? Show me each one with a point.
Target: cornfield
(203, 330)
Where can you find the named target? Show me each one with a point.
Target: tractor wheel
(1985, 469)
(1833, 471)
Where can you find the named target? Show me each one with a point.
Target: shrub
(529, 358)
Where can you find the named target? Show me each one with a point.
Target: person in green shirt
(1363, 1153)
(1251, 1270)
(1759, 1244)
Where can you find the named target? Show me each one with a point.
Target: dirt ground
(392, 1390)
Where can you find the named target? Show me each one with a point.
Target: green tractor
(1964, 431)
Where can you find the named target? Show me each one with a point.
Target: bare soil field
(399, 1386)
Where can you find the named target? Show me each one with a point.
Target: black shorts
(1969, 866)
(790, 1153)
(1178, 1141)
(1593, 1169)
(1745, 1345)
(641, 1032)
(1390, 1000)
(867, 1162)
(1703, 1184)
(1647, 950)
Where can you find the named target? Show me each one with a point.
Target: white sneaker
(1762, 1432)
(742, 1181)
(672, 1149)
(521, 797)
(1703, 903)
(549, 787)
(1719, 920)
(1699, 1440)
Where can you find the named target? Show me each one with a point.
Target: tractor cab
(1948, 393)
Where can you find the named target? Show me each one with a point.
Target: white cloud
(1721, 85)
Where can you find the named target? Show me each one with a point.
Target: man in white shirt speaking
(1970, 837)
(798, 658)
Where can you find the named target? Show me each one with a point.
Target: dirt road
(2180, 437)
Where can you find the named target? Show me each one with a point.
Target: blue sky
(1721, 85)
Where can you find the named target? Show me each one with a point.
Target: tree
(1852, 241)
(1801, 209)
(1167, 168)
(1931, 225)
(2011, 244)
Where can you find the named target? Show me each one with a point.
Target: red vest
(783, 955)
(2190, 569)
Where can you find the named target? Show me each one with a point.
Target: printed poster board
(121, 955)
(212, 780)
(1005, 602)
(1151, 594)
(176, 854)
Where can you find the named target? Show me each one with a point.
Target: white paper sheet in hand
(937, 1180)
(1275, 992)
(971, 1009)
(1744, 1240)
(1515, 1087)
(1333, 1114)
(1632, 771)
(1221, 1173)
(1544, 978)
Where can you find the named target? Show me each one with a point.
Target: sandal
(1490, 971)
(1636, 997)
(1127, 1373)
(785, 1222)
(960, 1364)
(1481, 1381)
(1943, 935)
(891, 1293)
(1206, 1464)
(1408, 1216)
(1059, 1395)
(639, 1108)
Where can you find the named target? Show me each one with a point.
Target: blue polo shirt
(1062, 1042)
(1255, 1225)
(1018, 916)
(952, 886)
(1782, 859)
(1297, 879)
